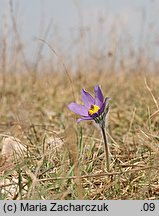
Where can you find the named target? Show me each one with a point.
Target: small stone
(12, 146)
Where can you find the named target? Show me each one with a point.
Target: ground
(65, 160)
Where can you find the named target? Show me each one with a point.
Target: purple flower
(93, 108)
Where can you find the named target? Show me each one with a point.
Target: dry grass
(74, 166)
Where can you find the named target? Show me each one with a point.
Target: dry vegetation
(61, 159)
(65, 160)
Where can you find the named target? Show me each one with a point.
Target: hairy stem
(106, 147)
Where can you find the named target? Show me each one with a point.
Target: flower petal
(87, 99)
(84, 119)
(106, 99)
(78, 109)
(98, 102)
(101, 110)
(98, 94)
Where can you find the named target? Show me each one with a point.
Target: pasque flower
(94, 108)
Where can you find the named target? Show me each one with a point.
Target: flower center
(93, 109)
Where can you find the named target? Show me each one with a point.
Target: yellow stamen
(93, 109)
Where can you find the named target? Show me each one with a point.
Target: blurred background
(109, 35)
